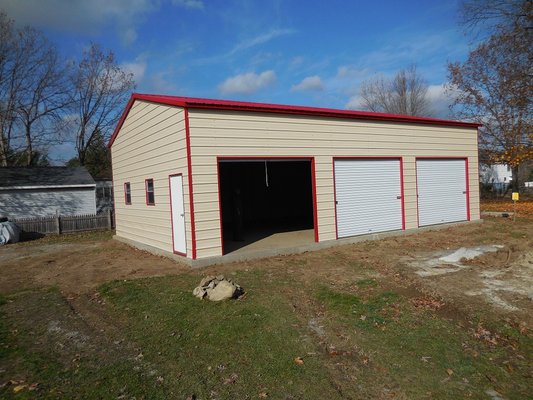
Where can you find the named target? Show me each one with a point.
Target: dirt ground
(501, 281)
(75, 320)
(76, 267)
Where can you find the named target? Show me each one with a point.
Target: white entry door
(177, 212)
(442, 192)
(368, 196)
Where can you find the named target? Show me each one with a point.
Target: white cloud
(244, 45)
(353, 72)
(247, 83)
(193, 4)
(137, 68)
(440, 100)
(296, 61)
(128, 36)
(261, 39)
(309, 83)
(161, 83)
(354, 103)
(87, 17)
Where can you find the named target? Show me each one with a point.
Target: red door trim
(287, 158)
(402, 193)
(172, 215)
(467, 181)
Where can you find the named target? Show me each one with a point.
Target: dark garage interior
(260, 198)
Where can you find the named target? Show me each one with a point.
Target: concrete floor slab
(275, 240)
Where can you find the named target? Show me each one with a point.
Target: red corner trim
(402, 193)
(315, 209)
(189, 172)
(467, 180)
(417, 202)
(220, 208)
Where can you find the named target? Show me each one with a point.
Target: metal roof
(198, 103)
(44, 177)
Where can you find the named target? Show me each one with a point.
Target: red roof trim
(191, 102)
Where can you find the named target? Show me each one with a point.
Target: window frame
(127, 193)
(147, 192)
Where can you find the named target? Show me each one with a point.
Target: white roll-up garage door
(368, 196)
(442, 191)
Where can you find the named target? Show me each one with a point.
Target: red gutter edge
(189, 172)
(190, 102)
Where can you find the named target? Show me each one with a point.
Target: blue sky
(304, 52)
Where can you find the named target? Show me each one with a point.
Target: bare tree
(405, 94)
(100, 89)
(491, 15)
(43, 97)
(494, 85)
(31, 93)
(8, 85)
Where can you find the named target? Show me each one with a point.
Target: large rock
(199, 292)
(205, 281)
(224, 290)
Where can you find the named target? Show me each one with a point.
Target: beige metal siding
(232, 133)
(150, 144)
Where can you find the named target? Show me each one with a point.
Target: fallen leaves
(20, 385)
(298, 361)
(484, 334)
(19, 388)
(427, 302)
(523, 207)
(449, 372)
(231, 379)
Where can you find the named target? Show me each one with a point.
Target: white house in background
(43, 191)
(497, 175)
(104, 195)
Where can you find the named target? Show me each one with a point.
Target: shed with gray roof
(27, 192)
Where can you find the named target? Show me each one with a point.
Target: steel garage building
(200, 178)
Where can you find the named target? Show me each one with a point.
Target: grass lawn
(179, 346)
(295, 335)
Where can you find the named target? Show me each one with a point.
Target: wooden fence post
(58, 224)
